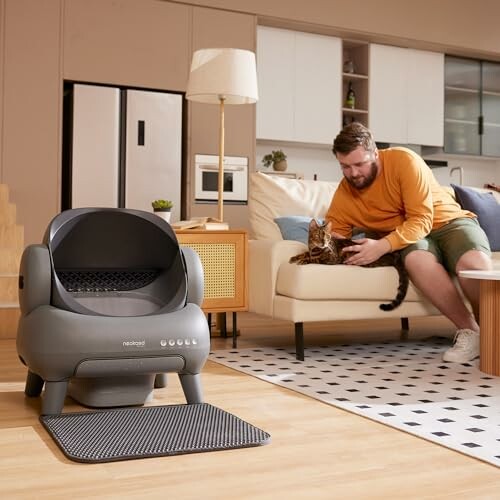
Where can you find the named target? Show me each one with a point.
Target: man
(394, 193)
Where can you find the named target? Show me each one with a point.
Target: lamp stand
(220, 205)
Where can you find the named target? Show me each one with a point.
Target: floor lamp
(222, 76)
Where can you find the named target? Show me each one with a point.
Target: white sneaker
(465, 348)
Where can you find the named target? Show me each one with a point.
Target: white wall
(476, 171)
(308, 161)
(320, 161)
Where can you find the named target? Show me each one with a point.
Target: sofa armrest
(265, 258)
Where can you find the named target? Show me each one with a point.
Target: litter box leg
(191, 385)
(34, 385)
(53, 397)
(405, 328)
(299, 341)
(161, 380)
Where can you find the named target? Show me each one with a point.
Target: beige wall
(467, 27)
(32, 101)
(148, 43)
(144, 44)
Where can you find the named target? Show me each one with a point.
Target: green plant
(274, 157)
(161, 204)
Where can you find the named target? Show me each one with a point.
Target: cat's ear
(313, 224)
(328, 226)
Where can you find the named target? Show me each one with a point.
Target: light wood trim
(490, 327)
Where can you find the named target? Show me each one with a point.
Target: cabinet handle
(140, 132)
(481, 125)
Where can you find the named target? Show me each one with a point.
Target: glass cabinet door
(491, 109)
(462, 106)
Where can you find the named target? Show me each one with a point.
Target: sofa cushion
(272, 196)
(295, 227)
(340, 282)
(485, 206)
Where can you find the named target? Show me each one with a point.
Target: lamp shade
(228, 74)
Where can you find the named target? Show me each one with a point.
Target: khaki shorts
(450, 242)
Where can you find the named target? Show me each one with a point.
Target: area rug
(405, 385)
(153, 431)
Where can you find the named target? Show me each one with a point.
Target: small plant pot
(280, 166)
(164, 213)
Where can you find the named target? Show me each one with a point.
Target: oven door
(207, 183)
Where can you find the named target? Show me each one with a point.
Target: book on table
(202, 223)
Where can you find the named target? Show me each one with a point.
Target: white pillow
(272, 196)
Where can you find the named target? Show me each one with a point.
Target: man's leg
(460, 244)
(473, 260)
(432, 279)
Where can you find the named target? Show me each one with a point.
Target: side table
(489, 310)
(223, 255)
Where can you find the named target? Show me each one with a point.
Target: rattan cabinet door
(223, 255)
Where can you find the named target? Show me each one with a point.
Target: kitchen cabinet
(406, 103)
(472, 107)
(299, 86)
(355, 73)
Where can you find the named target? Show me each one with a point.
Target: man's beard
(364, 182)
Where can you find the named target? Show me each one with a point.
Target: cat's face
(319, 234)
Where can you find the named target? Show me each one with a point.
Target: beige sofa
(313, 292)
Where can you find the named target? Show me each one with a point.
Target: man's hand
(367, 251)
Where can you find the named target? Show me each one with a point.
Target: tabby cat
(326, 249)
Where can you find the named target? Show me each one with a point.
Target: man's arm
(414, 181)
(339, 227)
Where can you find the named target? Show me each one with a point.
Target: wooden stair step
(9, 288)
(8, 214)
(4, 193)
(10, 259)
(9, 318)
(12, 236)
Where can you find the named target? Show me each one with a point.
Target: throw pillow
(485, 206)
(295, 227)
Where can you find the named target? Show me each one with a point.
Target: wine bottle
(350, 100)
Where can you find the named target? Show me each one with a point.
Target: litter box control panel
(178, 342)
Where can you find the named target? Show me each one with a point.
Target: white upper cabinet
(299, 86)
(388, 89)
(406, 95)
(275, 73)
(425, 98)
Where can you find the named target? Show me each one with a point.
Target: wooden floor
(317, 451)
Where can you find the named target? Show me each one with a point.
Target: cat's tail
(404, 282)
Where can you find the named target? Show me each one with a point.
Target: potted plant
(277, 159)
(162, 208)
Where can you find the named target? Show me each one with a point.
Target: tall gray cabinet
(472, 107)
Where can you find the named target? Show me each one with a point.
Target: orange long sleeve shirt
(405, 202)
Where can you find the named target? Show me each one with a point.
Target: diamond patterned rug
(405, 385)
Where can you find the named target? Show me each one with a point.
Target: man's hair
(352, 136)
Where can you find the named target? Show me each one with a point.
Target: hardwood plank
(316, 451)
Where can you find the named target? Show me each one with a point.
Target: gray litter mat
(152, 431)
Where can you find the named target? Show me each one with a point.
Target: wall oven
(207, 179)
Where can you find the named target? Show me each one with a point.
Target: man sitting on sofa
(394, 193)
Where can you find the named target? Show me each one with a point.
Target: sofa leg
(405, 328)
(299, 341)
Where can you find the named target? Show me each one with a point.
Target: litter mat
(153, 431)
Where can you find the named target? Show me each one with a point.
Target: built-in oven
(207, 178)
